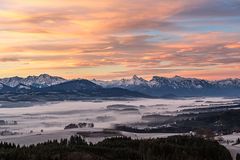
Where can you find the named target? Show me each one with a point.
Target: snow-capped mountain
(156, 82)
(226, 83)
(40, 81)
(123, 83)
(157, 86)
(69, 90)
(22, 87)
(178, 82)
(12, 81)
(4, 88)
(160, 86)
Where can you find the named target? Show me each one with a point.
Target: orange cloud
(233, 46)
(143, 36)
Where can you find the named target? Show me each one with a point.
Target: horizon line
(124, 77)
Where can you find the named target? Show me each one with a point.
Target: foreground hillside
(70, 90)
(171, 148)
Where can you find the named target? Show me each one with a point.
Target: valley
(144, 115)
(37, 109)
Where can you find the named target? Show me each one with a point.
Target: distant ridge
(43, 80)
(157, 86)
(67, 90)
(178, 86)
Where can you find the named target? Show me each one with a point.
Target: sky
(112, 39)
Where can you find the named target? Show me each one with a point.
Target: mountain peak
(49, 76)
(135, 77)
(44, 75)
(157, 78)
(179, 77)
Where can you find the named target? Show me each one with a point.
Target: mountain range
(133, 87)
(45, 87)
(178, 86)
(43, 80)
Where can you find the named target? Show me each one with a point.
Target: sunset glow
(112, 39)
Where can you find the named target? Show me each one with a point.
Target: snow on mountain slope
(180, 86)
(156, 82)
(177, 82)
(12, 81)
(42, 80)
(1, 86)
(22, 86)
(227, 83)
(157, 86)
(123, 83)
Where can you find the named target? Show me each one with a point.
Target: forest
(119, 148)
(219, 122)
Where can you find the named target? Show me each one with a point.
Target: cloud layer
(117, 38)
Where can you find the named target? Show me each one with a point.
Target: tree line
(121, 148)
